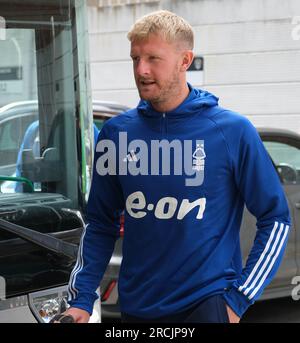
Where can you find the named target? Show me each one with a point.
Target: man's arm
(260, 187)
(104, 207)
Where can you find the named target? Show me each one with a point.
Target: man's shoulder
(228, 119)
(218, 113)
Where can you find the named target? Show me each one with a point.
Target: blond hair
(170, 26)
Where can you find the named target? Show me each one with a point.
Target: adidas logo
(131, 157)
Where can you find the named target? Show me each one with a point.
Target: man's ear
(187, 59)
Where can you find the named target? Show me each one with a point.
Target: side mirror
(287, 173)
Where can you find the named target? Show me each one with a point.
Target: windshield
(45, 140)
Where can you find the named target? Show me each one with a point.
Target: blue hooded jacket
(183, 210)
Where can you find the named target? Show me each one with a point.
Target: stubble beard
(168, 91)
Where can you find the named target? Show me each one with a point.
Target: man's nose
(142, 68)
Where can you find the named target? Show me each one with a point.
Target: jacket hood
(197, 100)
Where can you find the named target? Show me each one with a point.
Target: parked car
(284, 149)
(15, 120)
(103, 110)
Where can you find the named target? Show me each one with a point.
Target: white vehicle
(43, 48)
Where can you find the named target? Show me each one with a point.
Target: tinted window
(287, 160)
(12, 131)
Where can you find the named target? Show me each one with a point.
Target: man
(181, 251)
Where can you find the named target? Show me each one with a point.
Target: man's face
(156, 65)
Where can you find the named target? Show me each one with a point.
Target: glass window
(38, 79)
(45, 128)
(287, 160)
(12, 131)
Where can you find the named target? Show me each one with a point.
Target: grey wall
(16, 51)
(251, 60)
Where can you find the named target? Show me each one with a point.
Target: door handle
(297, 205)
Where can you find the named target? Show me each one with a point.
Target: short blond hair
(170, 26)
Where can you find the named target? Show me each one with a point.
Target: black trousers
(210, 310)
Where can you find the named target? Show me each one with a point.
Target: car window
(8, 131)
(37, 76)
(12, 131)
(286, 157)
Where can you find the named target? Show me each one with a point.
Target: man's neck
(174, 103)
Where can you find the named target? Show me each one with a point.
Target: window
(45, 127)
(12, 131)
(286, 159)
(38, 77)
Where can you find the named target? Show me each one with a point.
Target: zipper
(164, 124)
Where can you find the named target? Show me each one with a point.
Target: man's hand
(79, 315)
(233, 318)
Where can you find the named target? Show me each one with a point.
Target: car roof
(268, 131)
(107, 108)
(15, 107)
(110, 105)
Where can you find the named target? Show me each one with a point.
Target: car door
(285, 152)
(283, 148)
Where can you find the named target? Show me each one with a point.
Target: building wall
(251, 53)
(16, 52)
